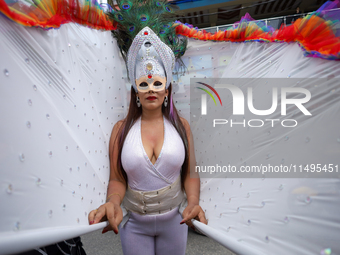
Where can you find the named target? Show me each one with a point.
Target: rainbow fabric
(315, 33)
(53, 13)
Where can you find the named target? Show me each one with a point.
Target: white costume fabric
(153, 195)
(142, 174)
(154, 234)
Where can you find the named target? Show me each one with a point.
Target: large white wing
(61, 93)
(269, 215)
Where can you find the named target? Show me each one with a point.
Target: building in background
(210, 13)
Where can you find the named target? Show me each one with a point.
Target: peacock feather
(133, 15)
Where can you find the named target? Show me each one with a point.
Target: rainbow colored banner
(316, 33)
(53, 13)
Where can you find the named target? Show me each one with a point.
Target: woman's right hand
(108, 211)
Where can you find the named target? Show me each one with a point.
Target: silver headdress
(149, 56)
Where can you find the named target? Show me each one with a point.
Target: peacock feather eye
(167, 8)
(131, 28)
(126, 6)
(158, 4)
(120, 17)
(162, 31)
(143, 17)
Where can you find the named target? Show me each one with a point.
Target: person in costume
(151, 154)
(316, 34)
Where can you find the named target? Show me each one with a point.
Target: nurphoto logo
(238, 99)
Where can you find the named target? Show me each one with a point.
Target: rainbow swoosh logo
(209, 93)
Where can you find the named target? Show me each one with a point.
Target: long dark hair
(170, 112)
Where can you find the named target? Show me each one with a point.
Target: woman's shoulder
(117, 127)
(184, 121)
(186, 125)
(119, 123)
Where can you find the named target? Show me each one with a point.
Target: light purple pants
(154, 234)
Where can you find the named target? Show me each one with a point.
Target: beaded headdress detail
(147, 38)
(149, 56)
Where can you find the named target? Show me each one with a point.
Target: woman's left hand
(193, 212)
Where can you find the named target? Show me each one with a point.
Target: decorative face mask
(149, 57)
(145, 84)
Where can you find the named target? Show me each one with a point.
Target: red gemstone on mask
(149, 76)
(146, 33)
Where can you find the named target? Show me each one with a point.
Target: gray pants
(154, 234)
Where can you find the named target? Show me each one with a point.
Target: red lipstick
(151, 98)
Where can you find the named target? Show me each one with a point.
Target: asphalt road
(96, 243)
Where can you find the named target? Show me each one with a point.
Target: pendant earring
(166, 101)
(138, 102)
